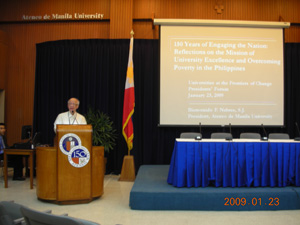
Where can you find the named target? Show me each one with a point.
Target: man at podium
(71, 117)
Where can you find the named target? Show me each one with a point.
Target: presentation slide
(221, 75)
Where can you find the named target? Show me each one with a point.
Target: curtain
(94, 71)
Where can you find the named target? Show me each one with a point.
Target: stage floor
(152, 192)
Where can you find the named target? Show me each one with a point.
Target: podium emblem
(69, 141)
(79, 156)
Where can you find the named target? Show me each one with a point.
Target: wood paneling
(289, 10)
(120, 17)
(143, 30)
(292, 34)
(47, 172)
(46, 157)
(3, 58)
(13, 10)
(266, 10)
(22, 40)
(98, 171)
(74, 183)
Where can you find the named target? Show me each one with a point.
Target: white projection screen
(216, 75)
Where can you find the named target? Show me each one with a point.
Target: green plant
(104, 133)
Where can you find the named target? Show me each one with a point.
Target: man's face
(2, 130)
(73, 105)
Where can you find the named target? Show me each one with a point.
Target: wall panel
(13, 10)
(202, 9)
(119, 17)
(257, 10)
(289, 10)
(21, 64)
(145, 30)
(3, 58)
(292, 35)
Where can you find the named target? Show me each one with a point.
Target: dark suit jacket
(5, 142)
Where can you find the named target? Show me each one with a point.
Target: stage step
(152, 192)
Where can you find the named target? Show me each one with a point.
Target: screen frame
(219, 23)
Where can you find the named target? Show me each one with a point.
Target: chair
(250, 136)
(33, 217)
(279, 136)
(9, 164)
(10, 213)
(221, 136)
(190, 135)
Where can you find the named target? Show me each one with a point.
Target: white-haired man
(70, 117)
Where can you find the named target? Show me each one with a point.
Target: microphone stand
(265, 138)
(297, 138)
(200, 136)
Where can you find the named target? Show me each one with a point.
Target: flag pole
(131, 36)
(131, 33)
(128, 168)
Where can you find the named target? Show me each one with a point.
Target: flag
(129, 101)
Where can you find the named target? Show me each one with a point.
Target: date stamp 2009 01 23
(272, 202)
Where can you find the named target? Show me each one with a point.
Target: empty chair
(190, 135)
(221, 136)
(279, 136)
(250, 136)
(33, 217)
(10, 213)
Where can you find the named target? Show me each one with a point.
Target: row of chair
(12, 213)
(229, 135)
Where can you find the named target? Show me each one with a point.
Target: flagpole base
(128, 169)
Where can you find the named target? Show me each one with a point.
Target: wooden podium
(72, 171)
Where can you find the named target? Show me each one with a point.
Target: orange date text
(251, 201)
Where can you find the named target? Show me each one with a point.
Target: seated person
(16, 161)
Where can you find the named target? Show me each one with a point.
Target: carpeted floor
(152, 192)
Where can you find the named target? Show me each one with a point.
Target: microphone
(265, 138)
(200, 136)
(29, 134)
(73, 113)
(297, 138)
(229, 138)
(76, 119)
(200, 127)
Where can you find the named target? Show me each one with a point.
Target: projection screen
(216, 75)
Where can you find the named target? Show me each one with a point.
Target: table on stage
(24, 152)
(236, 163)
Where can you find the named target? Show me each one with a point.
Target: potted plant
(104, 134)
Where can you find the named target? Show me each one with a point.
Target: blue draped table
(237, 163)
